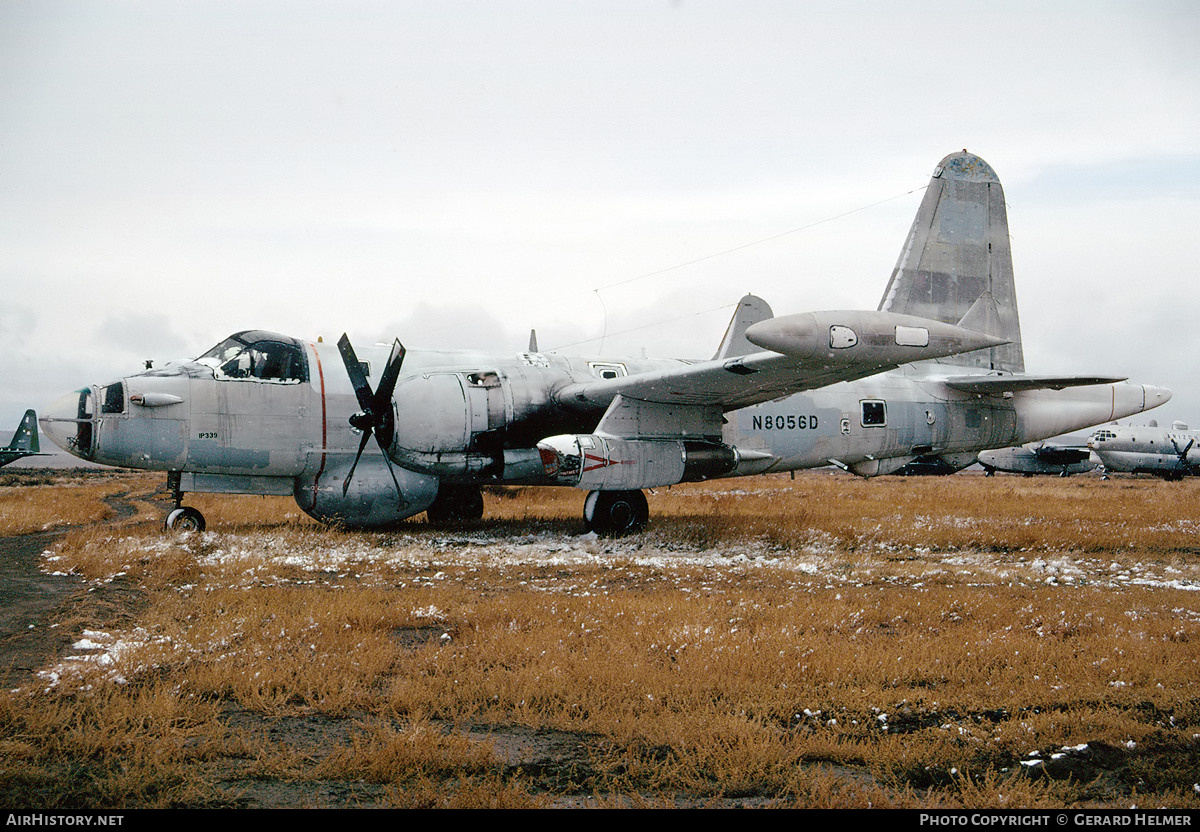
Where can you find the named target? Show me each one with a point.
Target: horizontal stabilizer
(992, 385)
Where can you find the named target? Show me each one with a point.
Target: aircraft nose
(67, 421)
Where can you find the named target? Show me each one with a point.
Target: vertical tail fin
(26, 437)
(956, 265)
(750, 310)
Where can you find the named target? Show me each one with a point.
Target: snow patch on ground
(264, 558)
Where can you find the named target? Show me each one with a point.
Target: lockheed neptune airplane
(1170, 454)
(934, 375)
(1039, 458)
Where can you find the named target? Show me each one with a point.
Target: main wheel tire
(455, 504)
(615, 513)
(185, 519)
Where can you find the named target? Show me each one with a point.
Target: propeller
(1183, 454)
(375, 415)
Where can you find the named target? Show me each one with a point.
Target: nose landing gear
(181, 518)
(185, 519)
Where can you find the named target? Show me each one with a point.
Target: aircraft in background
(935, 373)
(1039, 458)
(1171, 454)
(24, 442)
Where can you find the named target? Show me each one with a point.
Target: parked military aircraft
(1039, 458)
(24, 442)
(935, 373)
(1171, 454)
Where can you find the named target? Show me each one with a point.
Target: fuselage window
(874, 414)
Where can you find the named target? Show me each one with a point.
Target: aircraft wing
(992, 385)
(802, 352)
(740, 382)
(1062, 454)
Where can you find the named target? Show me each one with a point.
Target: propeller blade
(1187, 466)
(354, 369)
(391, 372)
(366, 437)
(396, 482)
(382, 402)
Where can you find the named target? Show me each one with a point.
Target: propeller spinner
(375, 416)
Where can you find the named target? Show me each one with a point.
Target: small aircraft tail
(26, 437)
(750, 310)
(956, 265)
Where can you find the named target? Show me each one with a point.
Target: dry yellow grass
(822, 641)
(46, 500)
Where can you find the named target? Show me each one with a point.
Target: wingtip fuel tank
(865, 336)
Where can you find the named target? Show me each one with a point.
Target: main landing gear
(615, 513)
(454, 504)
(181, 518)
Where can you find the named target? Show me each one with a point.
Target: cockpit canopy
(259, 355)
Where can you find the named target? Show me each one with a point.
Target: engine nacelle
(608, 463)
(371, 501)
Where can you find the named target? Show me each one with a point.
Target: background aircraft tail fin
(750, 310)
(956, 265)
(26, 437)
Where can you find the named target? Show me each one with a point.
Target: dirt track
(36, 607)
(31, 603)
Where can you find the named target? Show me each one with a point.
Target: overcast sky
(457, 173)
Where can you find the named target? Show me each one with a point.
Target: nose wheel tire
(185, 519)
(615, 513)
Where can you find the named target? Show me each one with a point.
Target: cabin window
(874, 414)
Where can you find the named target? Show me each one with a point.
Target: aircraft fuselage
(1170, 454)
(463, 418)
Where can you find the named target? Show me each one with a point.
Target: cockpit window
(256, 355)
(112, 398)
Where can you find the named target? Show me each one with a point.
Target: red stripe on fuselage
(324, 422)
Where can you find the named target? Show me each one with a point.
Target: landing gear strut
(181, 518)
(615, 513)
